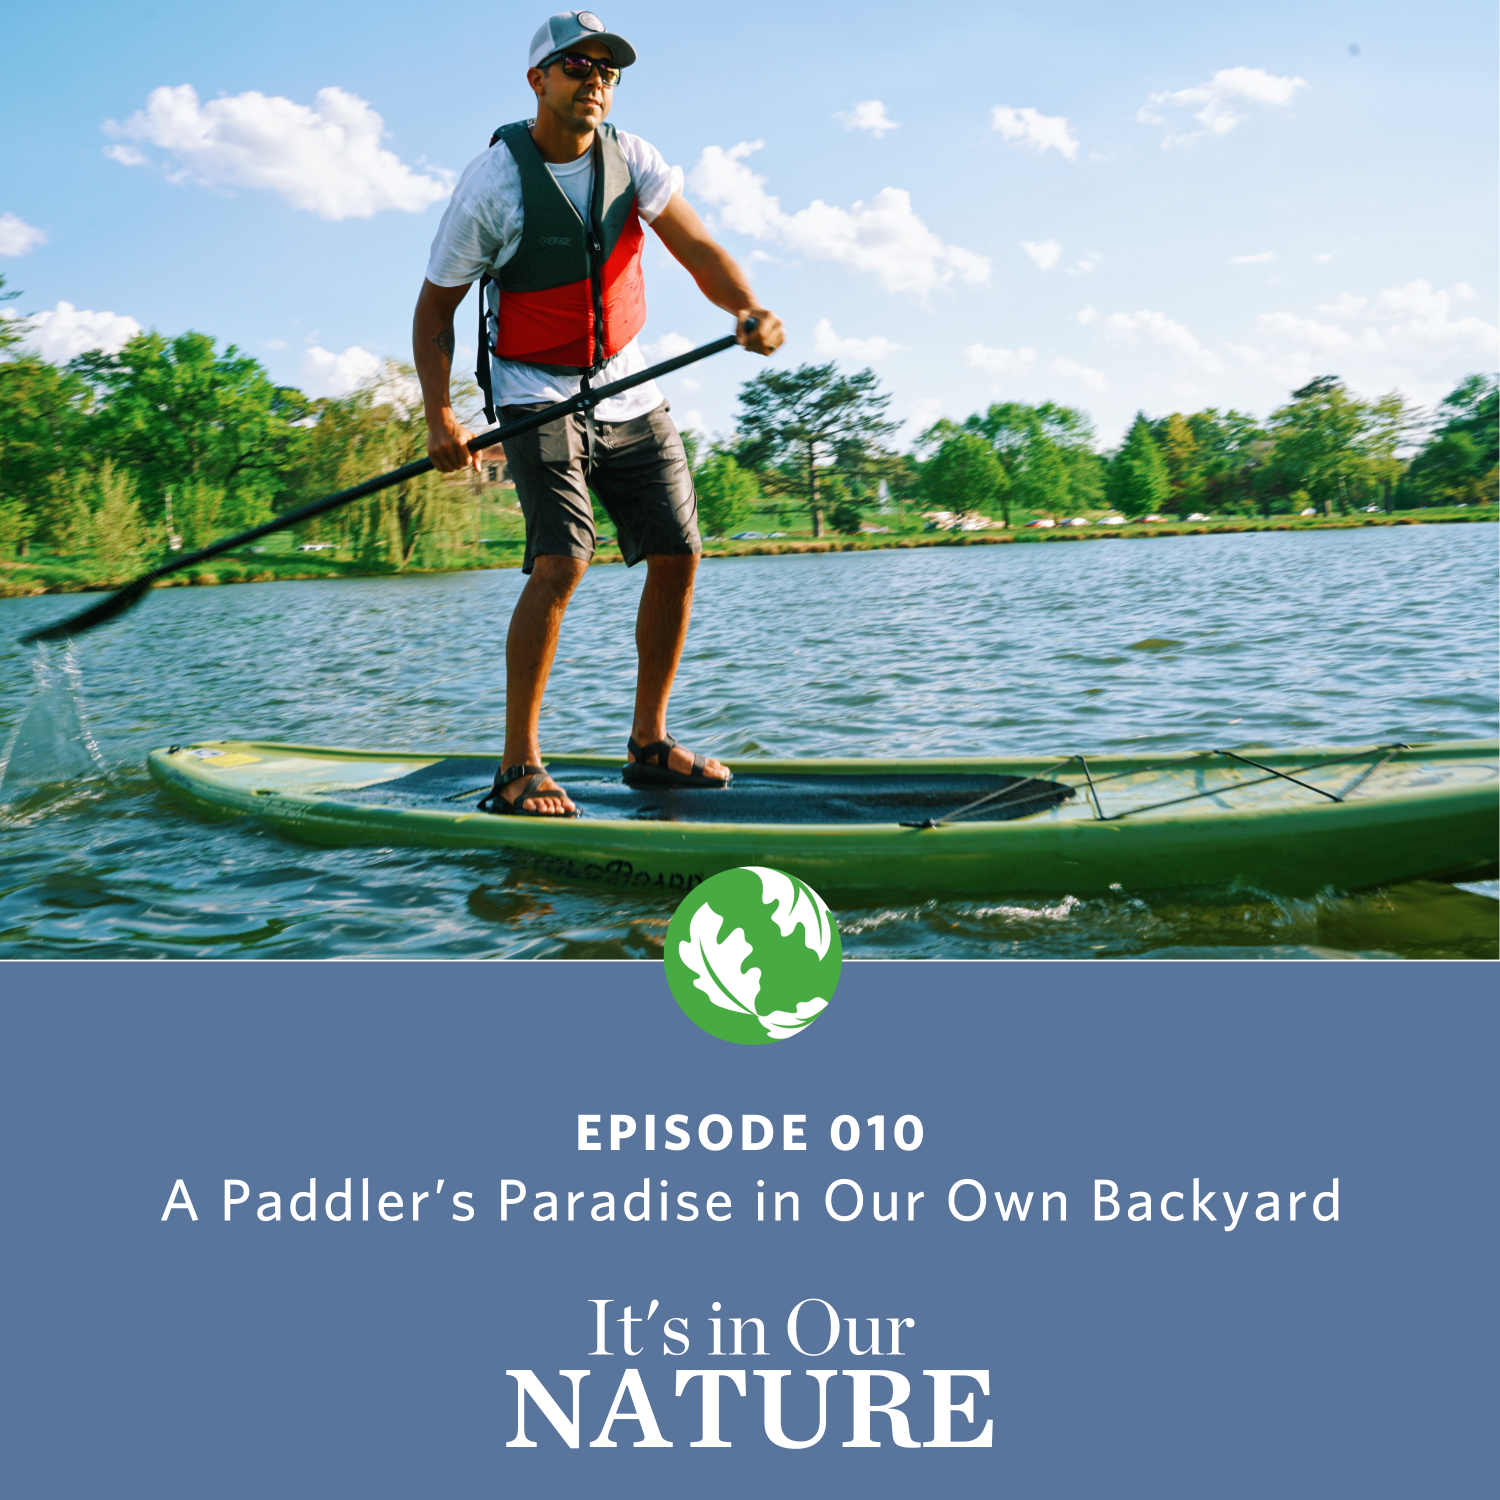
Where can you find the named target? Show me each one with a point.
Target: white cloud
(1326, 256)
(1000, 361)
(1314, 335)
(67, 331)
(17, 236)
(1086, 263)
(668, 346)
(1087, 314)
(868, 114)
(1252, 260)
(925, 410)
(1247, 352)
(1158, 328)
(1417, 311)
(326, 159)
(691, 421)
(1345, 305)
(1093, 379)
(325, 373)
(831, 346)
(1220, 99)
(1033, 131)
(1044, 252)
(882, 237)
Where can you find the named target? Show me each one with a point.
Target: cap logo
(588, 19)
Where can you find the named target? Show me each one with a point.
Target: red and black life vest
(571, 297)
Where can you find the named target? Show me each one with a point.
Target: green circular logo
(753, 955)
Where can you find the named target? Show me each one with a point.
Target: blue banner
(1046, 1229)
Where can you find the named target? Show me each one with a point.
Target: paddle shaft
(118, 602)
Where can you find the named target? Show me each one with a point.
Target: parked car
(747, 536)
(772, 535)
(1112, 521)
(1308, 512)
(1030, 524)
(1076, 521)
(1197, 515)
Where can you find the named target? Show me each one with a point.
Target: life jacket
(571, 297)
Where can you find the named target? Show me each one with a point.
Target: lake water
(1172, 644)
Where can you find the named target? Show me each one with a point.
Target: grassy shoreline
(26, 577)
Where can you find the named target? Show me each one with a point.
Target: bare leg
(661, 628)
(529, 648)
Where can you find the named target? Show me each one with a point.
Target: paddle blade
(96, 614)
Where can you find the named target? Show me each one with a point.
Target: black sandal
(493, 802)
(642, 772)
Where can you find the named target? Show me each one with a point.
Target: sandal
(493, 802)
(642, 772)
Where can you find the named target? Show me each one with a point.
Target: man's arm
(719, 278)
(432, 354)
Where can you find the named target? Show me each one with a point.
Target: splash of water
(51, 747)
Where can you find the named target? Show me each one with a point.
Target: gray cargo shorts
(640, 475)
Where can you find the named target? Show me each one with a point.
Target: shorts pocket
(555, 442)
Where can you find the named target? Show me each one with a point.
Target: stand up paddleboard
(1286, 821)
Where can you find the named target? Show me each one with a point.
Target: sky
(1117, 206)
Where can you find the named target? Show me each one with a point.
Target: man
(552, 212)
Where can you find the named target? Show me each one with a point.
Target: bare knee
(676, 570)
(556, 575)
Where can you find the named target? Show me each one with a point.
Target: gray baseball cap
(571, 27)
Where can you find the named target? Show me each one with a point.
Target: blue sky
(1117, 206)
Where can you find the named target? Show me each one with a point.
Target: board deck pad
(771, 797)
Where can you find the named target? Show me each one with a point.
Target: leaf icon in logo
(720, 965)
(783, 1023)
(797, 905)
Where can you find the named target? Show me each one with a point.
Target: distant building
(492, 466)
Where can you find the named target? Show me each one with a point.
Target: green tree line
(176, 440)
(114, 455)
(819, 436)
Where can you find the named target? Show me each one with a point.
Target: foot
(679, 759)
(547, 799)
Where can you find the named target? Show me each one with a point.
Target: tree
(1179, 450)
(1047, 452)
(1232, 448)
(726, 494)
(1458, 462)
(377, 427)
(43, 414)
(177, 411)
(846, 518)
(12, 328)
(116, 532)
(1138, 482)
(963, 473)
(1317, 441)
(799, 417)
(1335, 447)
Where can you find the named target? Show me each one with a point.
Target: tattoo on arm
(445, 342)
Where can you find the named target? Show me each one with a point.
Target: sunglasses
(580, 65)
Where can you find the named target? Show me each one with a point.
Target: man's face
(577, 105)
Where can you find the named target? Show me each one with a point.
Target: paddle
(120, 601)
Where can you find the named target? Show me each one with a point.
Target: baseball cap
(573, 26)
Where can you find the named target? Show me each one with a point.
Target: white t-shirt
(481, 230)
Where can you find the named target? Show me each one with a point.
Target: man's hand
(769, 334)
(447, 440)
(432, 354)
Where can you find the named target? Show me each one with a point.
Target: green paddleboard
(1289, 821)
